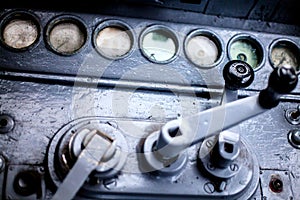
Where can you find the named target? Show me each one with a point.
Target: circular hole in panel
(247, 49)
(66, 35)
(20, 31)
(113, 39)
(203, 48)
(285, 52)
(159, 44)
(26, 183)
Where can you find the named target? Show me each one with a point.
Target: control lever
(177, 135)
(237, 75)
(88, 160)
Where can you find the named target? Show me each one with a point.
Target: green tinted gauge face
(202, 51)
(245, 51)
(159, 46)
(66, 38)
(283, 55)
(20, 34)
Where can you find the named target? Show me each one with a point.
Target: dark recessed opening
(276, 184)
(173, 132)
(295, 115)
(241, 69)
(26, 183)
(3, 123)
(228, 147)
(191, 1)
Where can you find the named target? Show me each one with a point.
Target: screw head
(276, 184)
(210, 166)
(209, 188)
(294, 138)
(209, 143)
(6, 123)
(234, 167)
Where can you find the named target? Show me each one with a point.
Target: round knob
(281, 81)
(237, 74)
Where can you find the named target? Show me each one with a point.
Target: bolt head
(6, 123)
(209, 188)
(296, 136)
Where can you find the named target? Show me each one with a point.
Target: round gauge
(203, 49)
(19, 31)
(159, 44)
(19, 34)
(113, 39)
(285, 52)
(66, 36)
(246, 49)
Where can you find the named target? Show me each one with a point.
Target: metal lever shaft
(87, 162)
(194, 129)
(177, 135)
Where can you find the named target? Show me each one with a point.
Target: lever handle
(196, 128)
(281, 81)
(237, 74)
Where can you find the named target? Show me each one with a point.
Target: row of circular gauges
(114, 39)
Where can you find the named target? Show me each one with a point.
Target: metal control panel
(112, 105)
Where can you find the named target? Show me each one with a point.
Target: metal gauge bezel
(214, 38)
(20, 15)
(66, 19)
(171, 34)
(114, 24)
(288, 43)
(254, 42)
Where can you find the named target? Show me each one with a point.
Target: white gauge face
(202, 51)
(20, 34)
(244, 50)
(66, 38)
(113, 42)
(283, 55)
(159, 46)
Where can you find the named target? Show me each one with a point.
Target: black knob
(237, 74)
(281, 81)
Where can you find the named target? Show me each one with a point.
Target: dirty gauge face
(20, 33)
(159, 44)
(67, 37)
(202, 51)
(113, 42)
(285, 53)
(248, 50)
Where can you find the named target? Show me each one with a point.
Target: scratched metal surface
(41, 106)
(52, 106)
